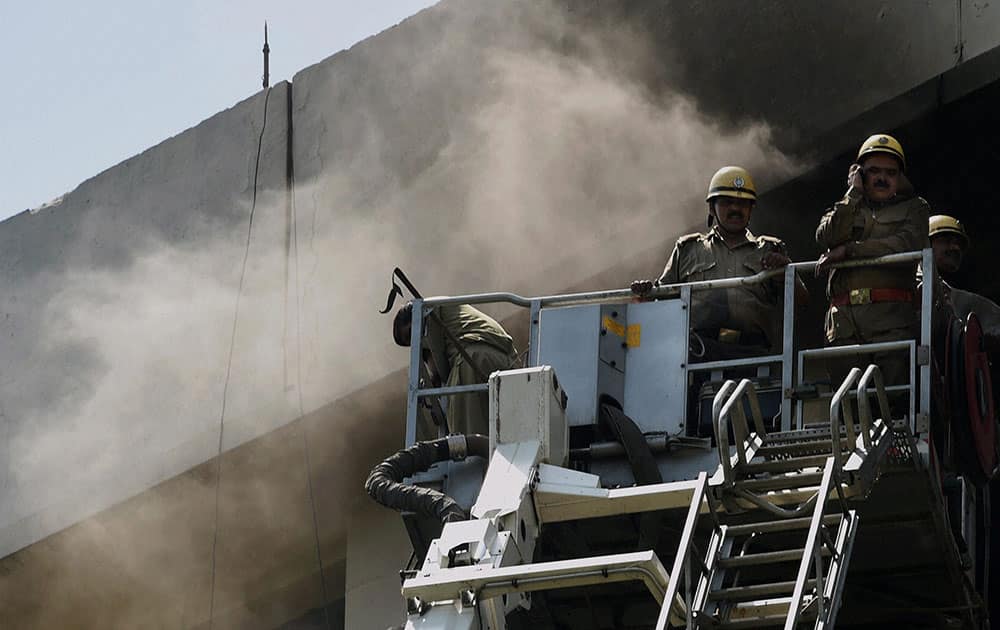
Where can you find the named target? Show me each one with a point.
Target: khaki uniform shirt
(753, 310)
(470, 326)
(868, 231)
(488, 346)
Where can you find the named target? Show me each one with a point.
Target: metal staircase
(778, 547)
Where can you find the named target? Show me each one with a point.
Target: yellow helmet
(883, 143)
(944, 224)
(732, 181)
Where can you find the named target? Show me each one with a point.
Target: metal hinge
(923, 355)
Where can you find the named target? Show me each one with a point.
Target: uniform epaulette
(770, 240)
(687, 238)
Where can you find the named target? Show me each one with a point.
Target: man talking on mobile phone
(879, 215)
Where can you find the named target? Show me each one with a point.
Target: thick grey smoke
(499, 154)
(550, 160)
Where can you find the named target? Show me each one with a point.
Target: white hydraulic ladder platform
(787, 569)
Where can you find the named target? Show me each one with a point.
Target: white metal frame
(520, 493)
(919, 369)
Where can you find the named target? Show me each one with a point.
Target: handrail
(721, 412)
(682, 562)
(722, 407)
(453, 390)
(722, 436)
(626, 295)
(836, 407)
(909, 345)
(864, 402)
(666, 290)
(755, 413)
(888, 259)
(811, 555)
(488, 582)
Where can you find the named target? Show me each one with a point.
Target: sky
(89, 84)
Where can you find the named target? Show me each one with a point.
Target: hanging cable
(229, 362)
(298, 374)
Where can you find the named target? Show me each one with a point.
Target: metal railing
(909, 346)
(843, 415)
(688, 560)
(682, 291)
(812, 559)
(728, 403)
(728, 411)
(864, 393)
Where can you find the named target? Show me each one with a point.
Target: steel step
(767, 557)
(755, 591)
(819, 432)
(770, 621)
(765, 621)
(762, 621)
(775, 617)
(787, 465)
(795, 448)
(782, 482)
(779, 526)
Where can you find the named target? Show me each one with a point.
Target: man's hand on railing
(774, 260)
(831, 257)
(642, 288)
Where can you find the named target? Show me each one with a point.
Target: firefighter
(879, 215)
(739, 322)
(462, 346)
(950, 241)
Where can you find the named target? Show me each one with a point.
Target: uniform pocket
(698, 269)
(892, 215)
(754, 265)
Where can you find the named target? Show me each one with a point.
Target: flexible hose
(385, 483)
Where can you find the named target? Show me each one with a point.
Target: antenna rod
(267, 51)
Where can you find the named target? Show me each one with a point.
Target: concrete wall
(521, 145)
(285, 502)
(118, 310)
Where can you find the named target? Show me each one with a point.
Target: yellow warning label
(633, 336)
(613, 327)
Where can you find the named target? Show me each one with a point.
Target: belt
(869, 296)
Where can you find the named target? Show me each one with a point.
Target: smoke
(592, 162)
(559, 166)
(522, 152)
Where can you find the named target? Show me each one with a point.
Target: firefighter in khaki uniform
(738, 322)
(949, 241)
(879, 215)
(462, 346)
